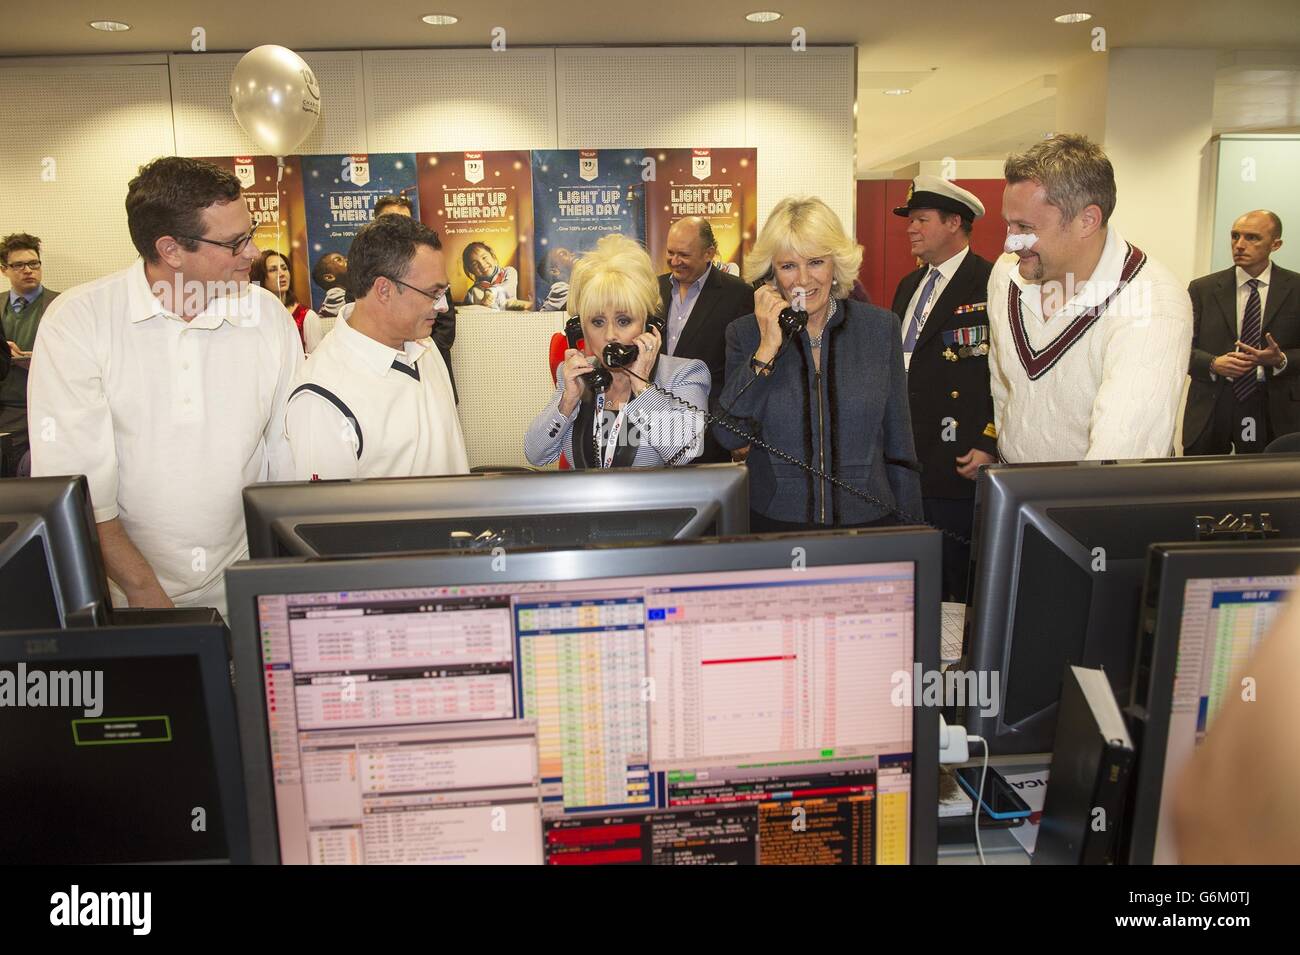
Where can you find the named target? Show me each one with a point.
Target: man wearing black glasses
(374, 399)
(20, 316)
(165, 384)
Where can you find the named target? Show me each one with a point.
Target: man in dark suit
(945, 328)
(20, 316)
(1245, 363)
(699, 302)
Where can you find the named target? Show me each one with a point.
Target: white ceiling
(981, 74)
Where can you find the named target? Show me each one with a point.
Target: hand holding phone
(768, 305)
(648, 343)
(576, 367)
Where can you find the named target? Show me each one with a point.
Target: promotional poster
(276, 209)
(580, 195)
(339, 194)
(719, 184)
(512, 222)
(481, 206)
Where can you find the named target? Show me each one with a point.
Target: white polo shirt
(169, 420)
(361, 409)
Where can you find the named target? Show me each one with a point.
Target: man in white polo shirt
(374, 399)
(1090, 336)
(165, 384)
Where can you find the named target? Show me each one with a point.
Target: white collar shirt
(1243, 295)
(169, 420)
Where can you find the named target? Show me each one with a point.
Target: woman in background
(272, 271)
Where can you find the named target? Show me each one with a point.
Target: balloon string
(279, 207)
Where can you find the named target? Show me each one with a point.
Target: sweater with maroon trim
(1103, 377)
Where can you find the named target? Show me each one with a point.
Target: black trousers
(1230, 421)
(956, 515)
(13, 420)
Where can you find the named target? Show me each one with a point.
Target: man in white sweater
(375, 400)
(1090, 336)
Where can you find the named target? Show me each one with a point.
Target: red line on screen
(788, 656)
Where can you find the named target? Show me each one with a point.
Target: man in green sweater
(20, 315)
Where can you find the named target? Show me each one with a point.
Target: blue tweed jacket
(851, 420)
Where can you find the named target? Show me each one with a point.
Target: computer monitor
(1204, 608)
(51, 570)
(744, 701)
(119, 745)
(482, 511)
(1058, 558)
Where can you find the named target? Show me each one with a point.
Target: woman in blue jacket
(837, 396)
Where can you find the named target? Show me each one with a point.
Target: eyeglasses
(437, 296)
(235, 246)
(34, 265)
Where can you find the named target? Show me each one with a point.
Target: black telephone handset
(597, 380)
(616, 354)
(619, 355)
(791, 320)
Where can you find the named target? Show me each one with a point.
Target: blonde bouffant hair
(806, 227)
(616, 275)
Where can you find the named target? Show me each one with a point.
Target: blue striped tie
(1252, 334)
(914, 326)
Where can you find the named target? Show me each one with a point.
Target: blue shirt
(30, 297)
(679, 311)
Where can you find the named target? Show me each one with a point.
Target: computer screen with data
(1223, 620)
(745, 717)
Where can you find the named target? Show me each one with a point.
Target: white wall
(1159, 110)
(70, 147)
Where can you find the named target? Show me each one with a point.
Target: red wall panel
(886, 255)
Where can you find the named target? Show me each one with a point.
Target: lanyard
(605, 452)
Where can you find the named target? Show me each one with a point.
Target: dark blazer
(938, 388)
(723, 299)
(851, 422)
(1214, 333)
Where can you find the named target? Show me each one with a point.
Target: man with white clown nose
(1090, 336)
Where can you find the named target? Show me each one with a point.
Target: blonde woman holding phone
(833, 395)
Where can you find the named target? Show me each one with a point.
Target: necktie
(1252, 334)
(914, 326)
(18, 305)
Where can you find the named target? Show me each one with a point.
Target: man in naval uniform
(945, 329)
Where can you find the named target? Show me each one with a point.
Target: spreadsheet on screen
(732, 717)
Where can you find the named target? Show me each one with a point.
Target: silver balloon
(275, 97)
